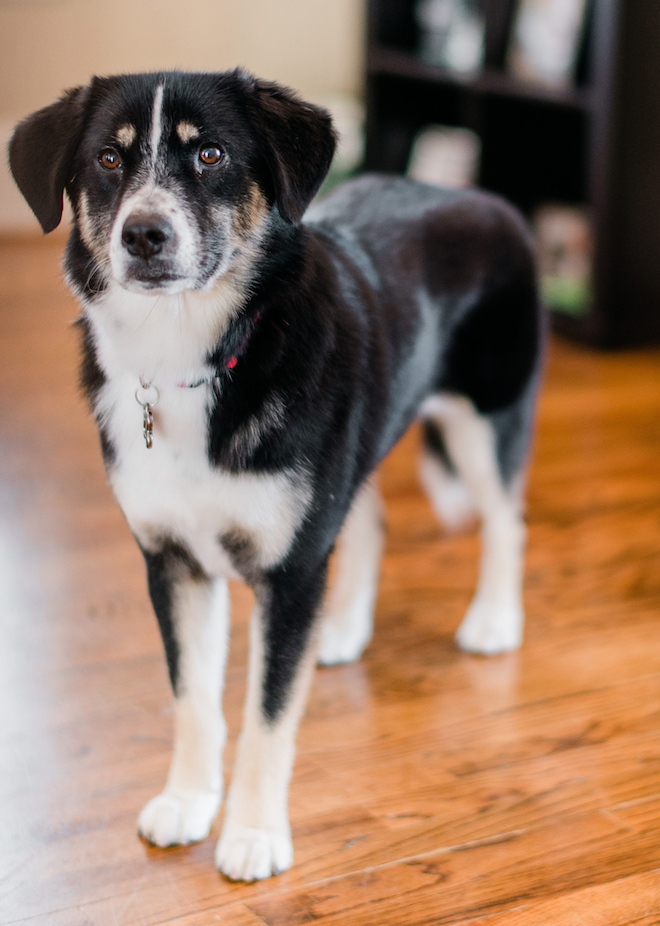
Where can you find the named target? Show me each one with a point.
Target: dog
(249, 362)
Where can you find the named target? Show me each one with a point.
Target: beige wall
(49, 45)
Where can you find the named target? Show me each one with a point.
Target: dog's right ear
(297, 139)
(41, 154)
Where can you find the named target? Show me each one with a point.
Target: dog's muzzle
(150, 240)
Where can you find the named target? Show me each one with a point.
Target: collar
(229, 364)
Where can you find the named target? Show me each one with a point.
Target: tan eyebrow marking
(126, 135)
(187, 131)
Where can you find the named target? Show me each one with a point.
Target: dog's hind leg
(494, 621)
(452, 501)
(348, 620)
(256, 837)
(193, 614)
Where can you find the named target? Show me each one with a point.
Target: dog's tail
(452, 501)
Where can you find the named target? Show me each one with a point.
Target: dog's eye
(110, 159)
(210, 154)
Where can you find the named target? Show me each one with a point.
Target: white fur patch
(449, 495)
(172, 490)
(186, 808)
(161, 338)
(156, 124)
(256, 838)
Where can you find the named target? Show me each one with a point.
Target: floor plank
(633, 900)
(473, 879)
(430, 786)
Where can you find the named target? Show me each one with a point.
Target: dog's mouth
(154, 275)
(151, 278)
(155, 281)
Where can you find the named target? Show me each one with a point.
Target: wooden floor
(430, 787)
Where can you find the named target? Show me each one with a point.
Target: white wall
(49, 45)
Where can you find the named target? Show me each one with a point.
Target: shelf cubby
(595, 144)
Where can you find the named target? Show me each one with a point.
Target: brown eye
(209, 154)
(110, 159)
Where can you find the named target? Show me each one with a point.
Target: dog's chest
(172, 490)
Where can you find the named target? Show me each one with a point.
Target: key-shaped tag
(147, 396)
(148, 428)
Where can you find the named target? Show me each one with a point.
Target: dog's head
(170, 175)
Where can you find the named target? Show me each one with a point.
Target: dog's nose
(145, 235)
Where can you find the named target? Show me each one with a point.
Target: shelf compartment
(391, 61)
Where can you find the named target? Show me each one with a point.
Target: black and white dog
(275, 361)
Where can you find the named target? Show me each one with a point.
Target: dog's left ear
(297, 141)
(41, 154)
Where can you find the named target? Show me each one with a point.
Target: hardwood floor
(430, 787)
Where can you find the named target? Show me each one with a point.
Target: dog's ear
(41, 154)
(297, 141)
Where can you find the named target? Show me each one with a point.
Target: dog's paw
(175, 819)
(489, 629)
(338, 646)
(245, 853)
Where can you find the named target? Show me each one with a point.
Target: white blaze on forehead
(156, 123)
(187, 131)
(126, 135)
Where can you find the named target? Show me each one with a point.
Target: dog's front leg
(193, 616)
(256, 838)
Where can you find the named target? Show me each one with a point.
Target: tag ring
(144, 393)
(143, 396)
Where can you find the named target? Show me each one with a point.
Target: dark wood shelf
(596, 144)
(386, 60)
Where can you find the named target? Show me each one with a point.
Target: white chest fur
(171, 490)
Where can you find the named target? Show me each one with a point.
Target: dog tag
(147, 396)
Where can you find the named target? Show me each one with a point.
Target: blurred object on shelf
(445, 156)
(565, 249)
(452, 33)
(546, 40)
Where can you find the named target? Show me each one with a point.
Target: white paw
(490, 629)
(343, 640)
(174, 819)
(245, 853)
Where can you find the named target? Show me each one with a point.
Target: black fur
(42, 151)
(291, 597)
(297, 143)
(435, 443)
(92, 380)
(170, 563)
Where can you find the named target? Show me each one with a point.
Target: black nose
(146, 235)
